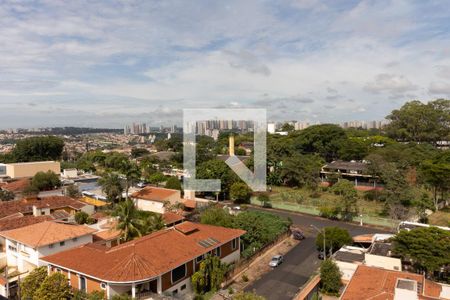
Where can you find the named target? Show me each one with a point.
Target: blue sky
(106, 63)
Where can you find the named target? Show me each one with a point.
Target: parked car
(276, 261)
(141, 184)
(298, 235)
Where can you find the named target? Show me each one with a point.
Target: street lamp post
(324, 244)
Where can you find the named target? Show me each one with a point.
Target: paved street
(282, 283)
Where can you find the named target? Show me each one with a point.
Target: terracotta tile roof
(189, 203)
(15, 221)
(363, 238)
(170, 218)
(46, 233)
(60, 214)
(146, 257)
(25, 206)
(16, 185)
(376, 283)
(107, 235)
(154, 194)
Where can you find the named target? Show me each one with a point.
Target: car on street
(298, 235)
(276, 261)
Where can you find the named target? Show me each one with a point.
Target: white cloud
(440, 88)
(395, 84)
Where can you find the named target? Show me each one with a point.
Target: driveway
(283, 282)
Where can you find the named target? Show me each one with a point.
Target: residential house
(351, 170)
(16, 187)
(52, 205)
(26, 245)
(161, 262)
(377, 283)
(348, 259)
(155, 199)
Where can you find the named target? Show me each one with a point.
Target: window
(234, 244)
(183, 287)
(175, 292)
(82, 283)
(62, 243)
(50, 246)
(74, 239)
(178, 273)
(103, 286)
(217, 251)
(58, 270)
(12, 248)
(43, 213)
(199, 259)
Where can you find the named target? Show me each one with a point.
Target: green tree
(287, 127)
(419, 122)
(157, 178)
(116, 161)
(240, 192)
(128, 220)
(330, 277)
(349, 196)
(216, 216)
(6, 195)
(45, 180)
(40, 148)
(72, 191)
(54, 287)
(173, 183)
(31, 283)
(353, 149)
(111, 186)
(209, 276)
(435, 173)
(139, 152)
(325, 140)
(301, 171)
(217, 169)
(335, 238)
(81, 217)
(132, 175)
(428, 248)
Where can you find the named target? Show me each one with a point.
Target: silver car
(276, 261)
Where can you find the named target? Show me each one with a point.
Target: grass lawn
(304, 197)
(440, 218)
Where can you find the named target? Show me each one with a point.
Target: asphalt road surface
(283, 282)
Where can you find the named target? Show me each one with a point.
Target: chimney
(231, 145)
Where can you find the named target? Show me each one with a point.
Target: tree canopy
(39, 148)
(335, 238)
(330, 277)
(32, 282)
(428, 248)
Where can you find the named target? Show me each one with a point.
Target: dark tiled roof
(349, 256)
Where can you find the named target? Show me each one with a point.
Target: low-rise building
(155, 199)
(26, 245)
(161, 262)
(378, 283)
(45, 206)
(29, 169)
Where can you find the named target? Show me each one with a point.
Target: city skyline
(111, 63)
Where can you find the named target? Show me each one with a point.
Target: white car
(276, 261)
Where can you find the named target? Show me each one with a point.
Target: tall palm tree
(132, 175)
(111, 186)
(128, 220)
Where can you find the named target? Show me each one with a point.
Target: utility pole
(324, 244)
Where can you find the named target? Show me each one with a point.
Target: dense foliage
(262, 228)
(335, 238)
(428, 248)
(54, 287)
(32, 282)
(330, 277)
(45, 181)
(209, 276)
(40, 148)
(135, 223)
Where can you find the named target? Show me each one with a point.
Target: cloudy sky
(105, 63)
